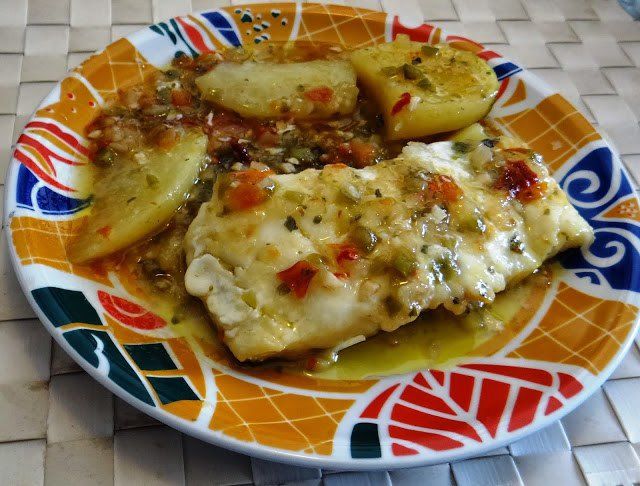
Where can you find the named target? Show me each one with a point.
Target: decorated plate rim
(260, 451)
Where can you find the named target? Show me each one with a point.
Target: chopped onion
(287, 168)
(414, 102)
(480, 156)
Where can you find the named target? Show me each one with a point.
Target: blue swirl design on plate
(224, 26)
(189, 34)
(506, 69)
(595, 184)
(35, 195)
(172, 31)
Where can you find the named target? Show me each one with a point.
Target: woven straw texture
(59, 427)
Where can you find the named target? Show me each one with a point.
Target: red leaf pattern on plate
(421, 33)
(130, 313)
(472, 403)
(373, 409)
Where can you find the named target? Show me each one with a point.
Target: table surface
(60, 427)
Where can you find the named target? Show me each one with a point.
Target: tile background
(59, 427)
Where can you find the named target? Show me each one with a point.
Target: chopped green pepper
(444, 267)
(389, 71)
(425, 84)
(405, 263)
(461, 147)
(105, 157)
(205, 190)
(116, 110)
(316, 259)
(365, 238)
(392, 305)
(152, 180)
(410, 71)
(158, 110)
(428, 50)
(294, 196)
(164, 95)
(303, 154)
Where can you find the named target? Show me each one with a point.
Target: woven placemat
(60, 427)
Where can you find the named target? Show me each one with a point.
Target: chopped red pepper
(298, 277)
(322, 94)
(244, 196)
(105, 231)
(403, 101)
(312, 363)
(344, 151)
(356, 153)
(520, 181)
(247, 194)
(442, 189)
(345, 252)
(180, 97)
(337, 165)
(167, 138)
(266, 135)
(226, 124)
(251, 176)
(363, 153)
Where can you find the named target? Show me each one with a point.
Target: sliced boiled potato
(422, 89)
(314, 89)
(473, 134)
(130, 203)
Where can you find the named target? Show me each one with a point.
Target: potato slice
(314, 89)
(422, 89)
(473, 134)
(130, 203)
